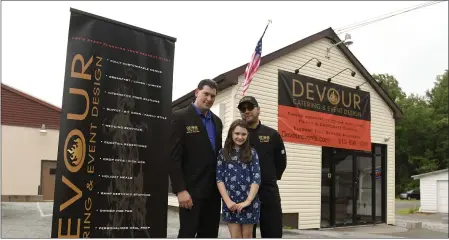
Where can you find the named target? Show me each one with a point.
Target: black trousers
(270, 220)
(202, 221)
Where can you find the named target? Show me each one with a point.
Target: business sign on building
(111, 176)
(322, 113)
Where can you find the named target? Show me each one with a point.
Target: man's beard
(251, 121)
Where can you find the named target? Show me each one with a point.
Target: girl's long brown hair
(245, 149)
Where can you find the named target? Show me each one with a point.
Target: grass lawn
(406, 211)
(407, 206)
(403, 211)
(405, 200)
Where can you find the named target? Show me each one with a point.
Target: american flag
(254, 63)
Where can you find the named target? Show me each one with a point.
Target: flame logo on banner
(333, 96)
(75, 155)
(76, 152)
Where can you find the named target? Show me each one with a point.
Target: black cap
(248, 99)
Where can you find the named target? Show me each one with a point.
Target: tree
(438, 101)
(403, 167)
(438, 95)
(391, 86)
(421, 135)
(415, 135)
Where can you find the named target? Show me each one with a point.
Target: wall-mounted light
(43, 130)
(318, 64)
(352, 74)
(358, 87)
(347, 41)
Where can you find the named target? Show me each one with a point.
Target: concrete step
(22, 198)
(410, 224)
(444, 219)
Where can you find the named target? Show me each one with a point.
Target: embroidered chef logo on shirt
(192, 129)
(264, 138)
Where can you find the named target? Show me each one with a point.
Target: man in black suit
(196, 140)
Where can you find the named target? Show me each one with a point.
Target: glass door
(353, 186)
(380, 184)
(326, 186)
(343, 189)
(364, 189)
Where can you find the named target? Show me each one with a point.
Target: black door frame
(333, 153)
(383, 170)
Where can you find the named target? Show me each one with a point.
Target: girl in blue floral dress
(238, 180)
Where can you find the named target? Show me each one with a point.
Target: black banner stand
(112, 168)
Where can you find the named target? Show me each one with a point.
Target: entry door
(48, 171)
(337, 188)
(442, 196)
(343, 191)
(353, 188)
(347, 188)
(364, 188)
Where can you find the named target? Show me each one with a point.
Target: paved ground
(23, 220)
(406, 204)
(33, 220)
(437, 222)
(424, 217)
(387, 231)
(421, 233)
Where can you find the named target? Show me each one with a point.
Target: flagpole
(269, 22)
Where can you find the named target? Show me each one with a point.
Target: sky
(215, 37)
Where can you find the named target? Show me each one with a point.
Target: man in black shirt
(273, 161)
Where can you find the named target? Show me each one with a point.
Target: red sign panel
(316, 112)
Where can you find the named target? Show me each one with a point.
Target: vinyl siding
(173, 200)
(300, 186)
(225, 98)
(428, 190)
(18, 110)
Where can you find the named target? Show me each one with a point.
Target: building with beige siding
(322, 186)
(30, 134)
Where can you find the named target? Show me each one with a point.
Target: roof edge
(429, 173)
(30, 97)
(368, 77)
(231, 77)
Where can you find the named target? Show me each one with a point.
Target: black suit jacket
(193, 160)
